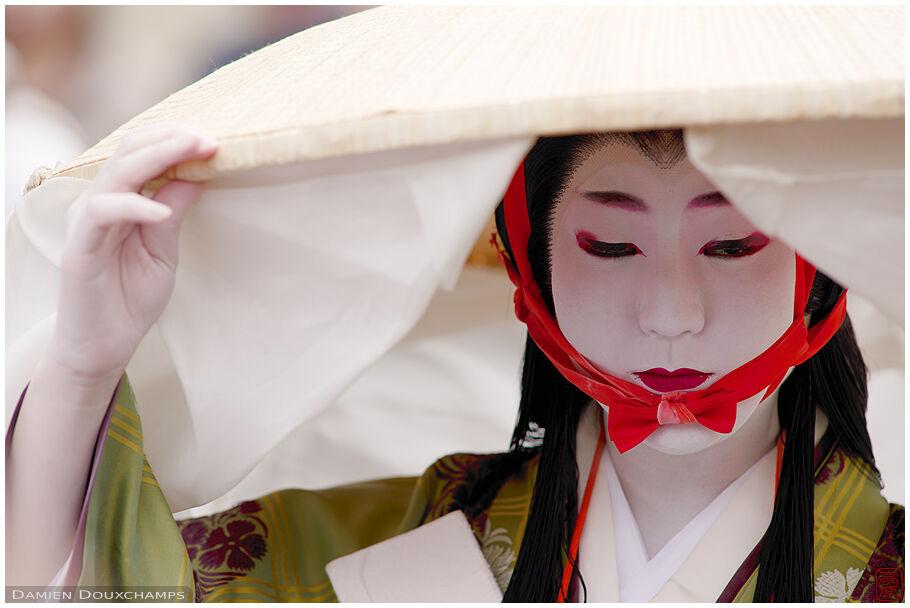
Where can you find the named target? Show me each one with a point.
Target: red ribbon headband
(635, 412)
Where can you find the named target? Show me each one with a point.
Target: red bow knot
(630, 421)
(673, 412)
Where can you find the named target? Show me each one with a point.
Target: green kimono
(276, 548)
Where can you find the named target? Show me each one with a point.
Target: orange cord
(582, 514)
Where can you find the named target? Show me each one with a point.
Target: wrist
(82, 364)
(80, 388)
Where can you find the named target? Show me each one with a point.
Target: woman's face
(657, 279)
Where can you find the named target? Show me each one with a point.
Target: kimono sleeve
(129, 547)
(127, 541)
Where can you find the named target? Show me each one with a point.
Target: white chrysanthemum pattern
(498, 551)
(833, 586)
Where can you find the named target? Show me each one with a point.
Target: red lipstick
(663, 381)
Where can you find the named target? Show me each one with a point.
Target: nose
(671, 303)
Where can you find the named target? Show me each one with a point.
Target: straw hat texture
(403, 76)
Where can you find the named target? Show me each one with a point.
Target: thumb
(161, 238)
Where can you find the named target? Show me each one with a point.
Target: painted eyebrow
(614, 198)
(621, 200)
(711, 199)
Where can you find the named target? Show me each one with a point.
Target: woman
(685, 323)
(649, 273)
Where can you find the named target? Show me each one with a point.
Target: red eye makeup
(590, 245)
(737, 248)
(732, 248)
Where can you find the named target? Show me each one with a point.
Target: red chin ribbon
(635, 412)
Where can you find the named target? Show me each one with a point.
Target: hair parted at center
(833, 380)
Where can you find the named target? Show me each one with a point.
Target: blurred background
(75, 73)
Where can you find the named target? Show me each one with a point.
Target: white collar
(641, 578)
(713, 553)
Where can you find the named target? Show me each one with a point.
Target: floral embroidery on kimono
(835, 586)
(497, 549)
(225, 546)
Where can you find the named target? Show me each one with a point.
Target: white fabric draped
(292, 281)
(295, 280)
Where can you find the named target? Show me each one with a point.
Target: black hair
(833, 380)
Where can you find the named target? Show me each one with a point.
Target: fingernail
(161, 211)
(208, 143)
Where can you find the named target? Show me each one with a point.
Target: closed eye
(736, 248)
(592, 246)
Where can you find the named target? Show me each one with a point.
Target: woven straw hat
(396, 77)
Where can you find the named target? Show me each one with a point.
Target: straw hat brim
(395, 77)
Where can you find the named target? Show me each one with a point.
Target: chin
(682, 439)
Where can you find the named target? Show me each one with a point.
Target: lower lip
(664, 383)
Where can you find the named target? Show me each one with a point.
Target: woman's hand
(118, 271)
(120, 257)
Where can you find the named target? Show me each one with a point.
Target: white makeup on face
(658, 280)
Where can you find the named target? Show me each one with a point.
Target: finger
(161, 238)
(178, 195)
(145, 136)
(130, 172)
(106, 213)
